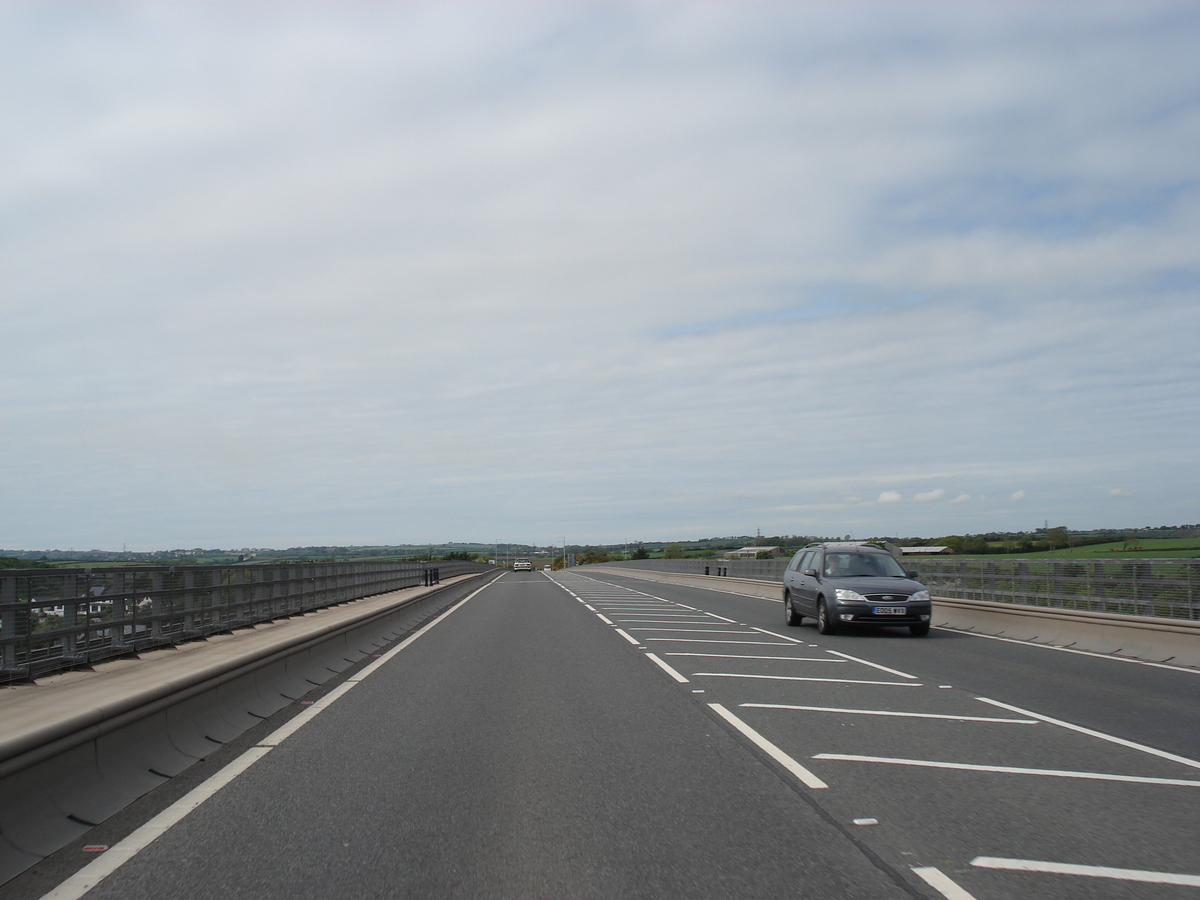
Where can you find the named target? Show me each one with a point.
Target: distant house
(749, 552)
(924, 551)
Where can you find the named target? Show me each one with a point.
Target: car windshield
(858, 565)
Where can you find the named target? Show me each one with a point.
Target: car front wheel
(825, 623)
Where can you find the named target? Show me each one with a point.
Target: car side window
(795, 563)
(809, 560)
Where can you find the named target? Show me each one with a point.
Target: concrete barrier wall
(1172, 641)
(73, 760)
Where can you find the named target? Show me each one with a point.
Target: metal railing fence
(1169, 588)
(61, 618)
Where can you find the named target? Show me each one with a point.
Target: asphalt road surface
(587, 735)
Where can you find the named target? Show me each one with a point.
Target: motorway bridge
(588, 734)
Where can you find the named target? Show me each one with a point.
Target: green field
(1151, 548)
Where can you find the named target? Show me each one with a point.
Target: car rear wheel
(790, 615)
(825, 623)
(919, 630)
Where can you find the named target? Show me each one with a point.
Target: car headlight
(844, 594)
(919, 597)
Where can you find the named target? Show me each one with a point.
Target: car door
(789, 574)
(806, 585)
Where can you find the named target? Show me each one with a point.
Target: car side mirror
(912, 573)
(811, 572)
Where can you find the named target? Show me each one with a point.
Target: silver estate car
(853, 584)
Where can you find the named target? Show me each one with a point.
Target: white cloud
(378, 271)
(1117, 492)
(930, 496)
(1019, 495)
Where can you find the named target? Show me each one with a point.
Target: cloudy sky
(278, 274)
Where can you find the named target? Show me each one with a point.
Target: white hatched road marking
(1009, 770)
(806, 777)
(628, 637)
(1033, 865)
(690, 630)
(778, 635)
(706, 641)
(884, 712)
(804, 678)
(867, 662)
(666, 668)
(937, 879)
(743, 656)
(1096, 734)
(603, 618)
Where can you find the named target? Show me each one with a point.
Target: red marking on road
(95, 848)
(307, 702)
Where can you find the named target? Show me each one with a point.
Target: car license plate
(889, 610)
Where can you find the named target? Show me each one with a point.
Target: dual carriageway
(593, 735)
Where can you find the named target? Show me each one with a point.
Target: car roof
(847, 546)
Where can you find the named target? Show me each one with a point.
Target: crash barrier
(1155, 639)
(1161, 588)
(70, 772)
(52, 619)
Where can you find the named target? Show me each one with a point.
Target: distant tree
(1057, 537)
(764, 554)
(673, 551)
(976, 544)
(640, 553)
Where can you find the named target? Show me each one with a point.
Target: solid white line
(363, 673)
(778, 635)
(120, 853)
(1010, 770)
(1163, 754)
(873, 665)
(884, 712)
(664, 619)
(123, 851)
(804, 678)
(938, 880)
(662, 665)
(603, 618)
(1125, 659)
(805, 776)
(1033, 865)
(627, 637)
(296, 722)
(743, 656)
